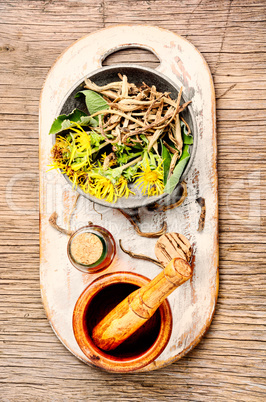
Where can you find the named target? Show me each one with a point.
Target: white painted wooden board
(194, 302)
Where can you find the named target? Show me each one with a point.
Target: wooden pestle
(139, 306)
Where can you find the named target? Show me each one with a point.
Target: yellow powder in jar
(86, 248)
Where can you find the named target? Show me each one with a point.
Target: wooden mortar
(143, 317)
(96, 301)
(139, 306)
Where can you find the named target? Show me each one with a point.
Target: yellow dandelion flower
(103, 156)
(58, 154)
(86, 183)
(103, 188)
(71, 174)
(56, 164)
(150, 181)
(122, 188)
(59, 149)
(82, 139)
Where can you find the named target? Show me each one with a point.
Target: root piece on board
(172, 245)
(201, 202)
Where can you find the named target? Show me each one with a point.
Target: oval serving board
(192, 304)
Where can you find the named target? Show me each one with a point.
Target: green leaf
(183, 127)
(123, 148)
(187, 139)
(66, 121)
(124, 158)
(113, 174)
(178, 170)
(130, 172)
(145, 139)
(96, 138)
(87, 121)
(152, 159)
(166, 163)
(93, 100)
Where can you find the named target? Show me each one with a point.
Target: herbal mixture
(133, 138)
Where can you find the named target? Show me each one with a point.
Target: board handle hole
(132, 55)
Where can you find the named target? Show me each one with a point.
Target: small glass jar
(106, 256)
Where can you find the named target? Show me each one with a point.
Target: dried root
(140, 256)
(163, 208)
(52, 221)
(172, 245)
(201, 202)
(137, 229)
(154, 111)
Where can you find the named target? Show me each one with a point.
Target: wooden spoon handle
(139, 306)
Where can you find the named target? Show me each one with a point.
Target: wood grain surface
(229, 363)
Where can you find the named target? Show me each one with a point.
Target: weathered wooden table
(229, 363)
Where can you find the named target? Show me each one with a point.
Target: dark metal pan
(137, 75)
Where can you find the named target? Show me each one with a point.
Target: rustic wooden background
(229, 363)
